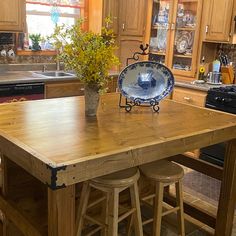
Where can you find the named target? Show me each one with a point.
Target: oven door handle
(29, 84)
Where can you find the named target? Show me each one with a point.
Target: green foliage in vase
(89, 54)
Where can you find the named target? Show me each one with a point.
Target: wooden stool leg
(180, 213)
(134, 194)
(113, 207)
(105, 212)
(158, 209)
(129, 225)
(82, 207)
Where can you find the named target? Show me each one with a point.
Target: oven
(222, 99)
(21, 92)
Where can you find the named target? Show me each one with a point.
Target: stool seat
(118, 179)
(162, 171)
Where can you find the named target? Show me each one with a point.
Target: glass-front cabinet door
(160, 34)
(175, 33)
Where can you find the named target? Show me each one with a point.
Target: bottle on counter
(216, 66)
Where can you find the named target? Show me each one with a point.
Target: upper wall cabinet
(12, 15)
(128, 22)
(132, 17)
(111, 10)
(219, 20)
(175, 33)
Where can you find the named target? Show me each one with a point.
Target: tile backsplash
(229, 50)
(8, 54)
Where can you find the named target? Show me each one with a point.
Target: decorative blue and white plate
(146, 81)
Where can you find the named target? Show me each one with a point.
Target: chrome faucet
(44, 68)
(57, 64)
(57, 61)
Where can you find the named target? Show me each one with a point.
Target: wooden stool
(164, 173)
(111, 185)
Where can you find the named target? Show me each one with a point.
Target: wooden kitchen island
(48, 146)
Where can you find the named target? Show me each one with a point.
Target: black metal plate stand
(137, 102)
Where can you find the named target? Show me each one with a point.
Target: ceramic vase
(91, 96)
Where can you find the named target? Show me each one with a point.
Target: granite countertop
(11, 77)
(197, 86)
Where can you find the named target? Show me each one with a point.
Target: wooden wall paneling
(95, 15)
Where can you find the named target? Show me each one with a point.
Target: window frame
(83, 14)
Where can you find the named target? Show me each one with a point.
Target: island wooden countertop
(53, 136)
(54, 141)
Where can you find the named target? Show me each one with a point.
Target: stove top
(222, 98)
(226, 89)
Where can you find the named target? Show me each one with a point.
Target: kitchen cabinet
(111, 9)
(12, 15)
(174, 38)
(72, 88)
(132, 24)
(219, 22)
(132, 17)
(63, 89)
(189, 96)
(129, 23)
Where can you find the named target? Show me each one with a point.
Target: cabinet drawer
(64, 89)
(189, 96)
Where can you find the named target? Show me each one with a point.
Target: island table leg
(227, 201)
(61, 211)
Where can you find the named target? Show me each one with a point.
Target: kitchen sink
(55, 74)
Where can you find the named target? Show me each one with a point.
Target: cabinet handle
(123, 26)
(187, 99)
(207, 28)
(172, 27)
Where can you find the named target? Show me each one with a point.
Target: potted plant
(90, 55)
(35, 39)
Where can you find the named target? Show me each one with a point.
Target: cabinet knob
(207, 28)
(187, 98)
(123, 26)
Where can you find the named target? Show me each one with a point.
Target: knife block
(227, 74)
